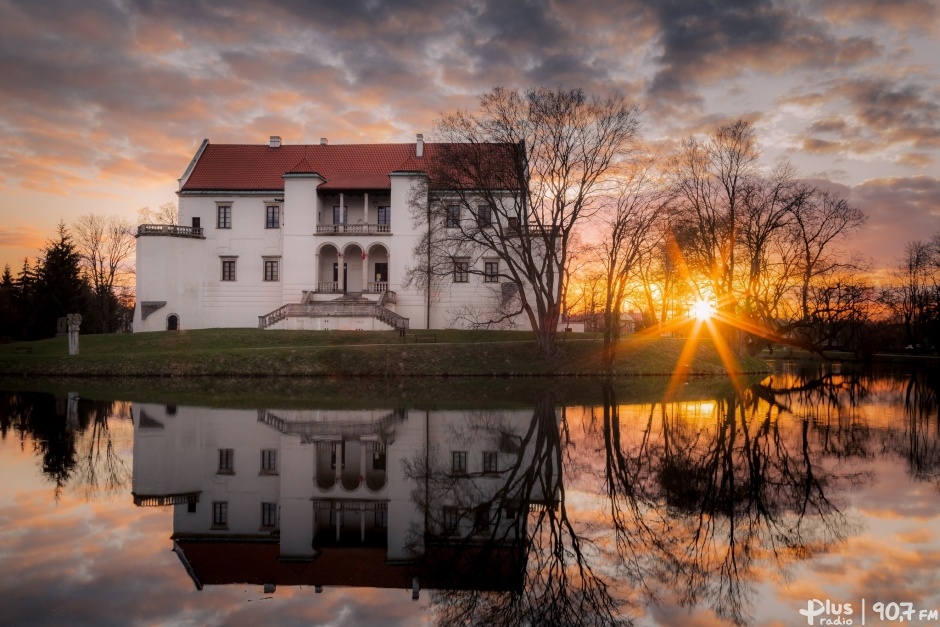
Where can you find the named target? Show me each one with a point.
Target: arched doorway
(172, 322)
(378, 272)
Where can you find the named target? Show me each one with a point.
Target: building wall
(176, 451)
(165, 273)
(187, 272)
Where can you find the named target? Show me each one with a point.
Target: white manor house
(300, 237)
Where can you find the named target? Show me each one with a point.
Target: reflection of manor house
(331, 497)
(314, 237)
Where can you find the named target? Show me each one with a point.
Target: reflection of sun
(702, 310)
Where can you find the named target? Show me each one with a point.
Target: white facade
(318, 487)
(347, 236)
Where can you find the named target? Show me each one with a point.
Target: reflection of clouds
(105, 562)
(111, 564)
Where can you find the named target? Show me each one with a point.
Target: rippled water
(713, 504)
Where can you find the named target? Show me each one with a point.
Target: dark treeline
(71, 275)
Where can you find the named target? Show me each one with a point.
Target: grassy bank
(253, 353)
(434, 393)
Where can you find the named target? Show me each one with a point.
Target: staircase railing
(333, 308)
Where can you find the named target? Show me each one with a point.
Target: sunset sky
(104, 102)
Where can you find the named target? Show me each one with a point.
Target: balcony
(353, 229)
(377, 287)
(171, 230)
(329, 287)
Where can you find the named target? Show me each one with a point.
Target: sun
(702, 310)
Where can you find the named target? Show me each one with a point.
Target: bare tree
(524, 171)
(709, 179)
(105, 244)
(913, 293)
(629, 219)
(167, 213)
(664, 280)
(821, 221)
(759, 243)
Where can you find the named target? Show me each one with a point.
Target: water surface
(713, 504)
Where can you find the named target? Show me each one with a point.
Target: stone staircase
(348, 305)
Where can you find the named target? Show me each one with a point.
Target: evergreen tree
(8, 312)
(58, 286)
(21, 301)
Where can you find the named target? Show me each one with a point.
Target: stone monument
(74, 321)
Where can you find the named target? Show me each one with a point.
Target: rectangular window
(269, 515)
(450, 518)
(378, 461)
(461, 271)
(484, 216)
(220, 514)
(490, 463)
(453, 217)
(224, 217)
(270, 270)
(481, 518)
(459, 463)
(269, 461)
(196, 222)
(228, 269)
(339, 215)
(385, 215)
(272, 218)
(226, 461)
(381, 271)
(491, 272)
(381, 518)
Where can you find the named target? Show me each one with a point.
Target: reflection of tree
(73, 438)
(829, 402)
(705, 503)
(99, 470)
(36, 418)
(921, 408)
(516, 520)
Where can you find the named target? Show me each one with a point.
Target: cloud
(705, 42)
(875, 114)
(921, 15)
(900, 210)
(24, 237)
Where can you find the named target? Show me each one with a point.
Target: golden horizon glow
(702, 310)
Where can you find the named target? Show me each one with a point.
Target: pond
(810, 496)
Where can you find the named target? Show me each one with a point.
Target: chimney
(275, 141)
(419, 145)
(324, 141)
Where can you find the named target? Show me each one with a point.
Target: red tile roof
(227, 562)
(240, 167)
(221, 561)
(258, 167)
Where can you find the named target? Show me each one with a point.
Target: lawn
(253, 352)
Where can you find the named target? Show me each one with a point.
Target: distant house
(303, 237)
